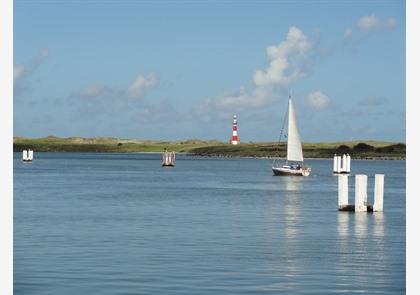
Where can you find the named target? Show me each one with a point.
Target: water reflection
(355, 246)
(292, 208)
(343, 224)
(378, 239)
(378, 225)
(360, 226)
(292, 212)
(343, 246)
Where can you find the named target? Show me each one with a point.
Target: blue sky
(173, 70)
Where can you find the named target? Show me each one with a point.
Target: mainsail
(294, 146)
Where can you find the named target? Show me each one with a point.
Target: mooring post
(343, 191)
(335, 169)
(348, 163)
(344, 161)
(338, 164)
(360, 198)
(378, 205)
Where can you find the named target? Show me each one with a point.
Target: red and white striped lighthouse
(235, 138)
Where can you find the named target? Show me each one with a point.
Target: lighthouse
(234, 139)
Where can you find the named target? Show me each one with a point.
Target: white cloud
(284, 66)
(41, 56)
(318, 100)
(103, 102)
(373, 101)
(259, 97)
(223, 105)
(94, 91)
(287, 63)
(371, 22)
(22, 71)
(390, 23)
(141, 85)
(18, 72)
(136, 90)
(367, 24)
(348, 33)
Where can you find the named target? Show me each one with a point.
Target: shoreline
(370, 158)
(366, 150)
(309, 158)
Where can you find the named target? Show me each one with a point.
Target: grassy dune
(104, 144)
(358, 149)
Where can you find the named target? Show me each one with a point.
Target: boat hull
(168, 165)
(283, 171)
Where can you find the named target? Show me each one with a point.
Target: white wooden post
(344, 161)
(348, 163)
(338, 164)
(378, 205)
(335, 164)
(360, 202)
(343, 191)
(24, 155)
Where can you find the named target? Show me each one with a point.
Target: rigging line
(281, 131)
(284, 123)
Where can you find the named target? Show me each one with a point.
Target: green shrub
(363, 147)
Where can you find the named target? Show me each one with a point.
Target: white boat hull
(168, 165)
(287, 171)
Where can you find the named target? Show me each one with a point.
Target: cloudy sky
(181, 69)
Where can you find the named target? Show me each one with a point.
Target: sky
(175, 70)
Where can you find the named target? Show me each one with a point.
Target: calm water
(121, 224)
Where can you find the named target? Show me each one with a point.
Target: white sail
(294, 146)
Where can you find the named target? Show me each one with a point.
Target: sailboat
(294, 160)
(168, 159)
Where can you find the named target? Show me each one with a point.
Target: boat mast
(281, 134)
(288, 121)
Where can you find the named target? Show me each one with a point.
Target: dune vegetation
(358, 149)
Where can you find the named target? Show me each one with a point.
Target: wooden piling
(335, 166)
(343, 191)
(379, 193)
(360, 194)
(348, 163)
(338, 165)
(344, 164)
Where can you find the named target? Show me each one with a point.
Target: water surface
(93, 223)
